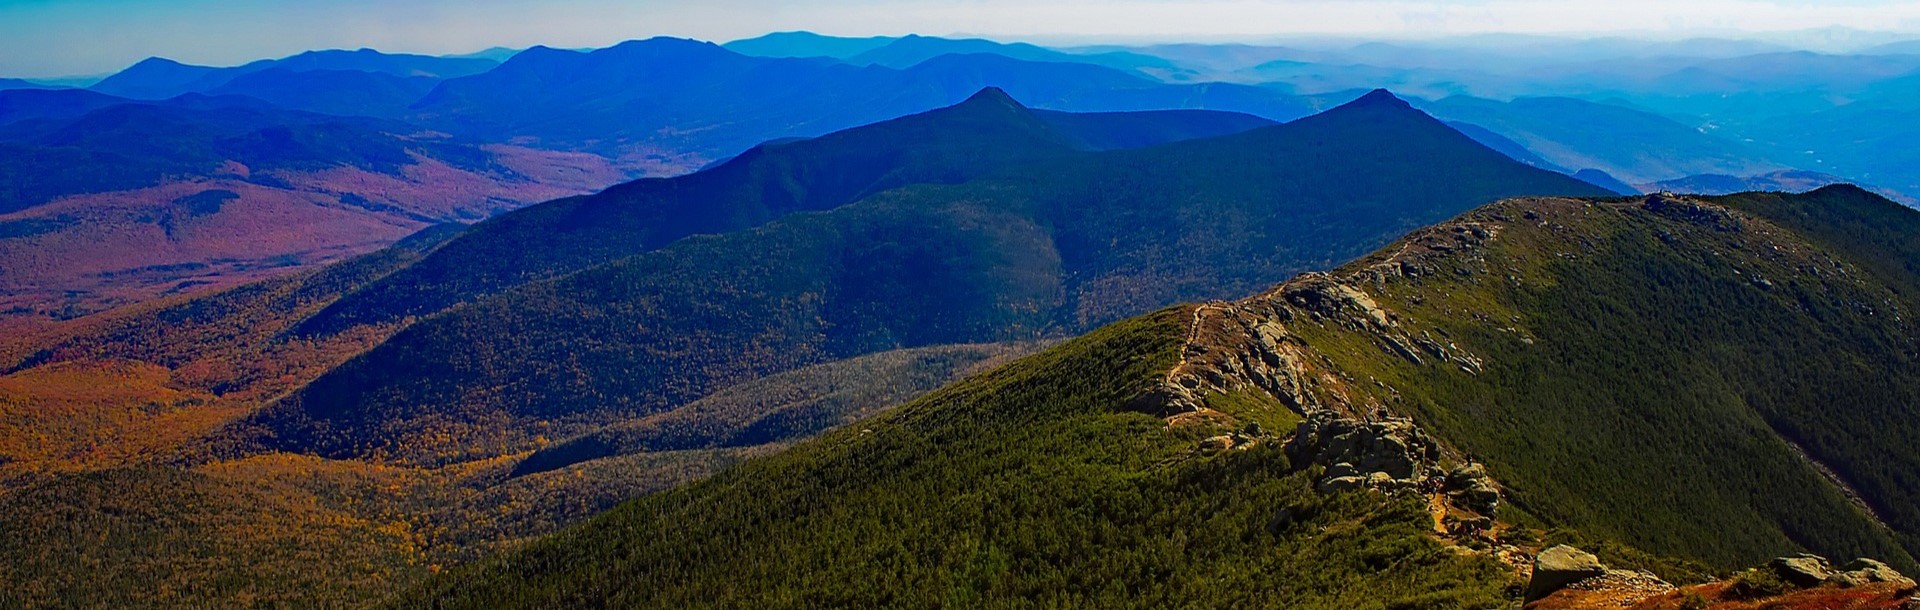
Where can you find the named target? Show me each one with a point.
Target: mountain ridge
(852, 282)
(1148, 396)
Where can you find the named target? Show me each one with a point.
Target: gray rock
(1340, 484)
(1380, 480)
(1388, 455)
(1802, 570)
(1464, 475)
(1559, 566)
(1865, 571)
(1472, 489)
(1342, 469)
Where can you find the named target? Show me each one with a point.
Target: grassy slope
(1640, 378)
(1027, 487)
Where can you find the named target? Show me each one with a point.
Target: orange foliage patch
(81, 415)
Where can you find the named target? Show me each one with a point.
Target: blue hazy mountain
(907, 51)
(1909, 47)
(672, 96)
(807, 44)
(23, 104)
(10, 84)
(493, 54)
(338, 92)
(1606, 181)
(160, 78)
(1632, 145)
(912, 50)
(1505, 146)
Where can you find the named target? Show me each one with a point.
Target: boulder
(1342, 469)
(1470, 488)
(1339, 484)
(1559, 566)
(1865, 571)
(1802, 570)
(1381, 480)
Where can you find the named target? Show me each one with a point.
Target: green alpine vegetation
(1025, 487)
(1725, 379)
(1713, 379)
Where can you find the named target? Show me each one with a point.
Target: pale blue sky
(40, 38)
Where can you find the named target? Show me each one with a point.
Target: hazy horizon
(60, 38)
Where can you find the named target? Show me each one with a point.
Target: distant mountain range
(581, 120)
(642, 106)
(158, 78)
(679, 101)
(1787, 181)
(1326, 187)
(1579, 134)
(986, 223)
(911, 321)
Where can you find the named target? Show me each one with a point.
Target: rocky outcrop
(1248, 345)
(1559, 566)
(1802, 570)
(1389, 455)
(1696, 212)
(1807, 571)
(1863, 571)
(1469, 487)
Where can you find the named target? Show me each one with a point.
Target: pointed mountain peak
(1377, 105)
(992, 95)
(1378, 98)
